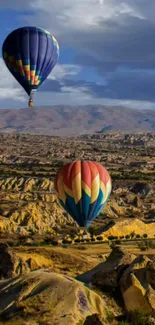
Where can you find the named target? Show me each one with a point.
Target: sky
(107, 52)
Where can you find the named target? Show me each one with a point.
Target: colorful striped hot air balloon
(83, 189)
(30, 54)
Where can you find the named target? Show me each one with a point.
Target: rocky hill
(48, 298)
(37, 293)
(69, 121)
(40, 286)
(133, 275)
(29, 205)
(127, 227)
(28, 165)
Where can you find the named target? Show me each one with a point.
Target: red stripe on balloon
(76, 169)
(67, 172)
(104, 175)
(86, 173)
(93, 169)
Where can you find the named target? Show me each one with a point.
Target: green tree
(99, 238)
(132, 234)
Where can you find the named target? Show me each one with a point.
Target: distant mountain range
(71, 121)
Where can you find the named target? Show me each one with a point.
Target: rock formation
(50, 298)
(10, 264)
(137, 285)
(112, 268)
(133, 276)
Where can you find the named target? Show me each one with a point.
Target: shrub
(150, 244)
(142, 246)
(48, 241)
(111, 237)
(91, 231)
(112, 244)
(99, 238)
(132, 235)
(145, 235)
(145, 245)
(110, 316)
(54, 242)
(138, 318)
(137, 236)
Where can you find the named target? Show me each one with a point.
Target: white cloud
(84, 25)
(81, 14)
(89, 26)
(78, 96)
(64, 70)
(69, 96)
(9, 87)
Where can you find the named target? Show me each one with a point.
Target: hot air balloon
(30, 53)
(83, 189)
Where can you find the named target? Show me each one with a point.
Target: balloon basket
(31, 104)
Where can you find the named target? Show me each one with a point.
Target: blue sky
(107, 52)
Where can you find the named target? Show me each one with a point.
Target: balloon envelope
(30, 53)
(83, 189)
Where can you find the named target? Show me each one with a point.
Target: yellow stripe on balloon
(19, 63)
(76, 187)
(27, 75)
(36, 81)
(107, 192)
(47, 32)
(27, 67)
(32, 72)
(102, 187)
(95, 188)
(68, 191)
(86, 188)
(54, 39)
(61, 191)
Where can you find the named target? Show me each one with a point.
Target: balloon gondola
(83, 189)
(30, 54)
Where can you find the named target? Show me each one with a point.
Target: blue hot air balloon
(30, 53)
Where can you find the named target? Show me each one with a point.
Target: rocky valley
(98, 280)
